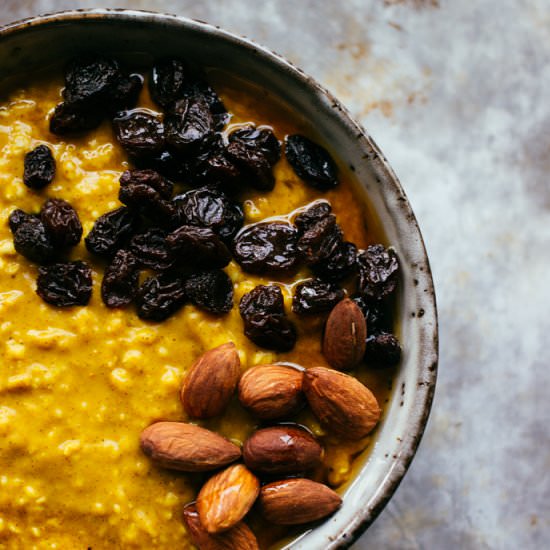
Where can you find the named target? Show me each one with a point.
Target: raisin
(111, 231)
(311, 162)
(139, 132)
(267, 247)
(168, 81)
(378, 271)
(160, 296)
(124, 92)
(265, 323)
(65, 284)
(208, 207)
(120, 281)
(341, 263)
(146, 191)
(254, 166)
(199, 88)
(61, 222)
(314, 213)
(262, 139)
(151, 251)
(71, 119)
(271, 331)
(320, 240)
(188, 124)
(199, 247)
(213, 165)
(383, 350)
(89, 79)
(211, 291)
(32, 240)
(315, 296)
(165, 163)
(18, 217)
(39, 167)
(377, 317)
(266, 299)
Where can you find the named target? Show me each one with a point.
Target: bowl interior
(143, 36)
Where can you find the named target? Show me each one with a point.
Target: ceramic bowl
(40, 41)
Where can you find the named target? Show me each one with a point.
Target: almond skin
(227, 497)
(239, 537)
(186, 447)
(341, 403)
(271, 391)
(345, 337)
(295, 501)
(282, 450)
(211, 382)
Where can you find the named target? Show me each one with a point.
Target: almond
(342, 404)
(239, 537)
(211, 382)
(271, 391)
(345, 335)
(282, 450)
(295, 501)
(186, 447)
(227, 497)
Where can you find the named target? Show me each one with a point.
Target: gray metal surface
(457, 95)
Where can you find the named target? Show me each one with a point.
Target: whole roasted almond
(211, 382)
(239, 537)
(186, 447)
(282, 450)
(271, 391)
(342, 404)
(295, 501)
(227, 497)
(345, 335)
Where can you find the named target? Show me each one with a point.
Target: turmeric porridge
(158, 240)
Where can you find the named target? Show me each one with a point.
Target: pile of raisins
(186, 239)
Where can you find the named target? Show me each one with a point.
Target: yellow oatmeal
(78, 385)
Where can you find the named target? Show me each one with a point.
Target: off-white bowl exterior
(38, 42)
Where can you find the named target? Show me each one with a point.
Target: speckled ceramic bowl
(34, 43)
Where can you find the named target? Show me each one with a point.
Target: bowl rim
(428, 372)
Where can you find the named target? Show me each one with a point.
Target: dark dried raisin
(211, 291)
(383, 350)
(61, 222)
(320, 240)
(314, 213)
(88, 79)
(160, 296)
(72, 119)
(151, 251)
(111, 231)
(341, 263)
(32, 240)
(169, 78)
(316, 296)
(139, 132)
(39, 167)
(188, 124)
(271, 331)
(311, 162)
(166, 164)
(120, 281)
(198, 247)
(267, 247)
(213, 165)
(208, 207)
(124, 92)
(65, 284)
(378, 319)
(378, 271)
(17, 217)
(266, 299)
(261, 139)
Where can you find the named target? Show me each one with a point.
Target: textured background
(457, 95)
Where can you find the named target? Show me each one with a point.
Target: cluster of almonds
(280, 455)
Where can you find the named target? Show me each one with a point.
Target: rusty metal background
(457, 94)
